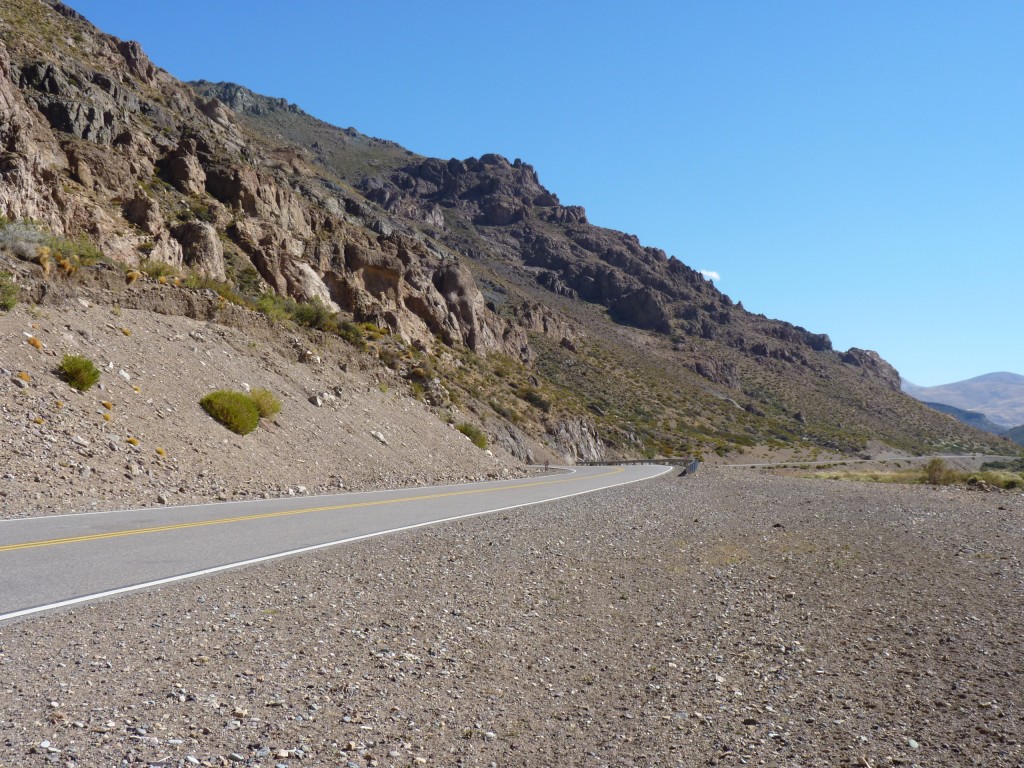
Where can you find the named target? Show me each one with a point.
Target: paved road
(52, 562)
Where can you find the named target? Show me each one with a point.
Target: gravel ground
(730, 618)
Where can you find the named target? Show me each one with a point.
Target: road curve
(48, 563)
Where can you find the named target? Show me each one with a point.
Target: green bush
(8, 292)
(25, 238)
(276, 308)
(314, 314)
(157, 269)
(235, 410)
(937, 472)
(79, 372)
(266, 402)
(474, 433)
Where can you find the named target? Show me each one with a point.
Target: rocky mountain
(488, 296)
(999, 396)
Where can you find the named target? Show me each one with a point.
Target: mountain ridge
(469, 276)
(999, 396)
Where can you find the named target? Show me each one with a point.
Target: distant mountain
(1017, 435)
(973, 418)
(999, 396)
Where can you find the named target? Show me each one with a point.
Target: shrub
(80, 250)
(474, 433)
(79, 372)
(223, 289)
(352, 333)
(266, 402)
(534, 398)
(157, 269)
(196, 208)
(937, 472)
(235, 410)
(26, 240)
(22, 239)
(8, 292)
(314, 314)
(276, 308)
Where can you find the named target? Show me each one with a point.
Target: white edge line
(242, 563)
(349, 495)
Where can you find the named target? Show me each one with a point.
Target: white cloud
(710, 275)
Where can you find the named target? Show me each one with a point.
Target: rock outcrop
(107, 119)
(871, 363)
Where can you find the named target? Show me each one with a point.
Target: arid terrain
(426, 321)
(728, 618)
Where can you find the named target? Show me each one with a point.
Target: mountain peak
(241, 99)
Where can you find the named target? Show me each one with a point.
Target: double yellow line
(281, 513)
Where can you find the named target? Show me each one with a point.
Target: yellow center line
(282, 513)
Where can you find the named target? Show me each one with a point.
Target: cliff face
(97, 139)
(627, 348)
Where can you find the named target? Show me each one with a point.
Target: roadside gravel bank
(729, 618)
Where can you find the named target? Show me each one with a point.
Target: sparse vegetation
(223, 289)
(8, 292)
(79, 372)
(235, 410)
(935, 472)
(31, 242)
(534, 397)
(157, 269)
(311, 314)
(474, 433)
(314, 314)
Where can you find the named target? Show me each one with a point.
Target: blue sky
(854, 168)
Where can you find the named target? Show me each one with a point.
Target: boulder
(144, 212)
(201, 248)
(183, 169)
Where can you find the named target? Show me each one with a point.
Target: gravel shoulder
(728, 618)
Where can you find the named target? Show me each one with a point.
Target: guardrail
(689, 468)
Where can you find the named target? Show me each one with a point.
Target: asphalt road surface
(48, 563)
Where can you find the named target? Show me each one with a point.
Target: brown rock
(144, 212)
(184, 170)
(201, 248)
(138, 62)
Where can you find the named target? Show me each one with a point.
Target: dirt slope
(61, 450)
